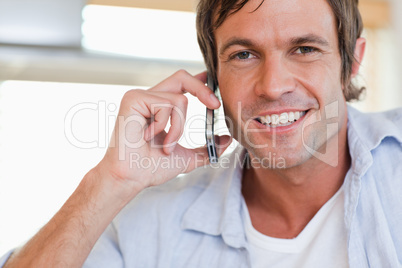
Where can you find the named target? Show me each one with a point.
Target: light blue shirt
(196, 220)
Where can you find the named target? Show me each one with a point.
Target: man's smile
(280, 119)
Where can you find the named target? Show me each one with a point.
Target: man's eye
(305, 50)
(243, 55)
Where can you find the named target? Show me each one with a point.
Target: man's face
(282, 59)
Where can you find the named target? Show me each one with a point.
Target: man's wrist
(112, 188)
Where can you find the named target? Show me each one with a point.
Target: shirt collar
(366, 131)
(370, 129)
(217, 211)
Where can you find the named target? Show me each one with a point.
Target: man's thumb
(200, 156)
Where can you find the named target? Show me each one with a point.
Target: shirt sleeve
(106, 252)
(5, 257)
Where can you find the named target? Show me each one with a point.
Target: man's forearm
(68, 238)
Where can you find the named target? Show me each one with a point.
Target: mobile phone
(209, 126)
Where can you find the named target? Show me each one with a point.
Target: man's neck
(281, 202)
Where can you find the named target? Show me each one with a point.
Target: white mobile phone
(209, 126)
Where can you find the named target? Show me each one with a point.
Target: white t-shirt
(322, 243)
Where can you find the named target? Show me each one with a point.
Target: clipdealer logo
(105, 115)
(106, 118)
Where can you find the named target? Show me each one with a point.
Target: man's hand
(67, 239)
(139, 133)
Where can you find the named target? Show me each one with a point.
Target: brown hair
(212, 13)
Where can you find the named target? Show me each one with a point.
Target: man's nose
(274, 79)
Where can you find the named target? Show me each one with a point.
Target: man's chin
(274, 159)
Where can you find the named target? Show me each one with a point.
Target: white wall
(397, 26)
(41, 22)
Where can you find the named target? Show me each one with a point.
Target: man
(284, 69)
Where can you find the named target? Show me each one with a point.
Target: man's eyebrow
(296, 41)
(309, 39)
(235, 41)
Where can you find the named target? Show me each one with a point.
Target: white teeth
(291, 116)
(297, 115)
(283, 119)
(264, 120)
(274, 119)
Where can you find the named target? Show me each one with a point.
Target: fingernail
(215, 99)
(171, 147)
(147, 136)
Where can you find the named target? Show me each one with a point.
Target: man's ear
(359, 54)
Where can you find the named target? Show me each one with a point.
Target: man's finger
(161, 117)
(182, 82)
(177, 120)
